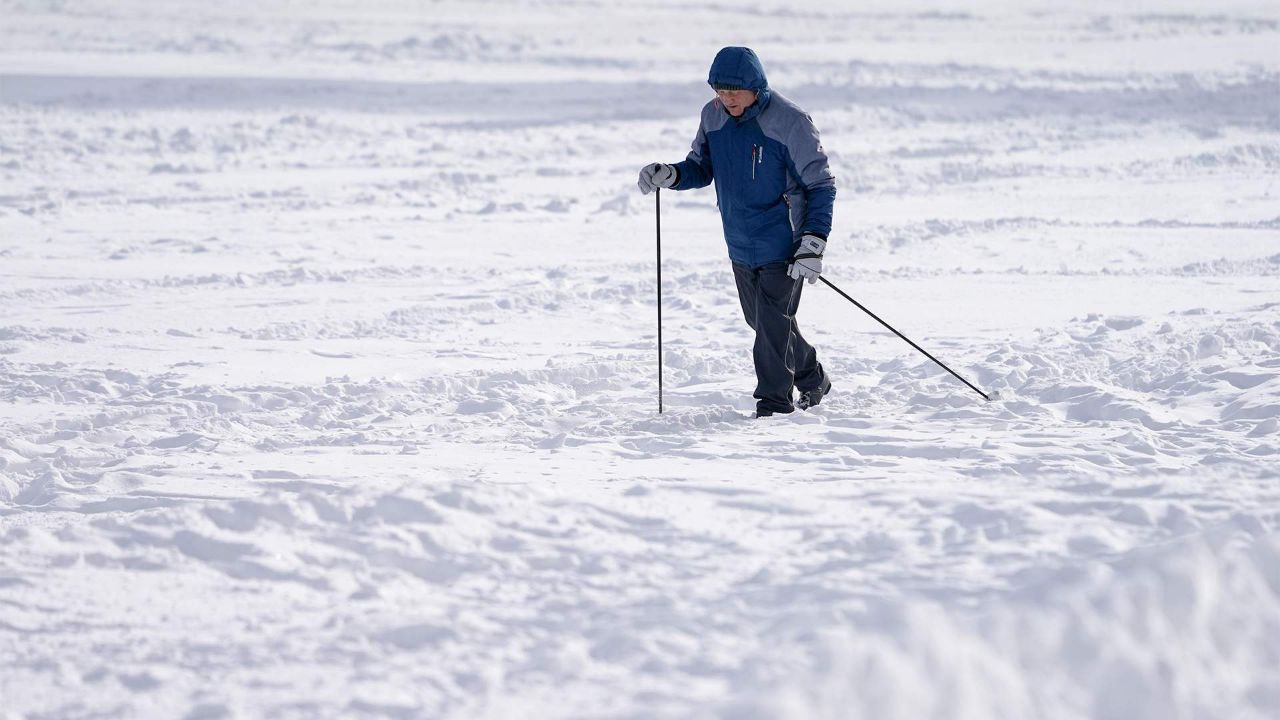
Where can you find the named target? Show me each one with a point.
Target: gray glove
(807, 262)
(656, 175)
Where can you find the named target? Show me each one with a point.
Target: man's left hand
(807, 262)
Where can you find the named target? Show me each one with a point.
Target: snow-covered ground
(328, 366)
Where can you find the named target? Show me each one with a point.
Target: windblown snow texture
(327, 380)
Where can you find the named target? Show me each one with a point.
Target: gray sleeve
(809, 165)
(695, 171)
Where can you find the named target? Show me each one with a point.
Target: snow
(328, 366)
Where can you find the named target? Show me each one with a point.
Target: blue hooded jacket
(773, 182)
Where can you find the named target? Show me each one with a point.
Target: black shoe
(809, 398)
(766, 412)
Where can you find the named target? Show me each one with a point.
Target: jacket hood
(738, 66)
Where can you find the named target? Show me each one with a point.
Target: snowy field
(328, 366)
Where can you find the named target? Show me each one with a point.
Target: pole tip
(993, 396)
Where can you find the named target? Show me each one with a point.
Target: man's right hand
(656, 175)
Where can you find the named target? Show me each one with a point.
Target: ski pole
(657, 206)
(863, 308)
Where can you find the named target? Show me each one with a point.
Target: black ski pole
(863, 308)
(657, 206)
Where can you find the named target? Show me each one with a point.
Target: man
(775, 192)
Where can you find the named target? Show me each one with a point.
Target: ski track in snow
(327, 367)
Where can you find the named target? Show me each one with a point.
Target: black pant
(783, 359)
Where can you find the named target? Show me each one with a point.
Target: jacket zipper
(754, 150)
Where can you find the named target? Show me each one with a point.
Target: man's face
(736, 101)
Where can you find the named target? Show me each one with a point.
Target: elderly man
(775, 192)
